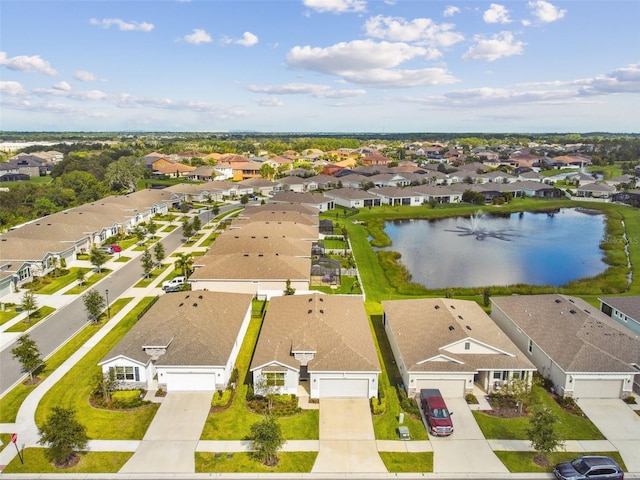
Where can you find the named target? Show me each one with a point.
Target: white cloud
(247, 40)
(13, 89)
(85, 76)
(450, 11)
(64, 86)
(24, 63)
(546, 12)
(496, 14)
(310, 89)
(500, 45)
(419, 30)
(622, 80)
(336, 6)
(268, 102)
(197, 37)
(122, 25)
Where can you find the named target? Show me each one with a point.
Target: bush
(378, 405)
(221, 398)
(471, 399)
(409, 405)
(630, 400)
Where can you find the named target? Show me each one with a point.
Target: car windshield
(440, 413)
(580, 466)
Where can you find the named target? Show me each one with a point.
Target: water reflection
(531, 248)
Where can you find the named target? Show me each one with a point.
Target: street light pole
(106, 292)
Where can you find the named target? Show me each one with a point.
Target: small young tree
(106, 384)
(147, 262)
(63, 436)
(98, 258)
(196, 224)
(159, 253)
(152, 228)
(187, 228)
(486, 297)
(266, 387)
(215, 209)
(519, 390)
(140, 234)
(267, 439)
(28, 354)
(29, 304)
(80, 277)
(542, 434)
(94, 304)
(244, 199)
(289, 290)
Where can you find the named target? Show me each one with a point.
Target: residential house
(582, 351)
(187, 341)
(437, 194)
(322, 341)
(396, 196)
(318, 201)
(204, 173)
(624, 310)
(246, 170)
(451, 345)
(595, 191)
(260, 186)
(353, 198)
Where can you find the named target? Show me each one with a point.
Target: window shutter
(136, 371)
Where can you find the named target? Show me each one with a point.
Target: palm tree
(184, 263)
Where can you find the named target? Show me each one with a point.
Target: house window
(497, 375)
(275, 379)
(125, 373)
(467, 345)
(515, 375)
(530, 346)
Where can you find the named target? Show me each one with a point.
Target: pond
(550, 248)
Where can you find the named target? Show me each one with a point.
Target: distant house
(624, 310)
(396, 196)
(187, 341)
(353, 198)
(320, 202)
(323, 341)
(582, 351)
(595, 190)
(451, 345)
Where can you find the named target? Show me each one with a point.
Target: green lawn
(155, 273)
(8, 314)
(73, 391)
(289, 462)
(522, 462)
(36, 316)
(405, 462)
(90, 462)
(56, 283)
(88, 282)
(11, 402)
(569, 426)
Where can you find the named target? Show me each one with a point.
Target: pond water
(532, 248)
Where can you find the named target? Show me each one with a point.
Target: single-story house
(396, 196)
(263, 274)
(353, 198)
(322, 340)
(318, 201)
(451, 345)
(187, 341)
(437, 193)
(583, 352)
(595, 191)
(624, 310)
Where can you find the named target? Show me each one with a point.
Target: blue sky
(320, 66)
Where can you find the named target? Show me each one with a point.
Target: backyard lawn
(74, 389)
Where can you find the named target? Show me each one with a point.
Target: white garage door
(344, 388)
(190, 382)
(597, 388)
(448, 388)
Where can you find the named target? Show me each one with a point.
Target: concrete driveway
(619, 423)
(171, 439)
(347, 442)
(466, 450)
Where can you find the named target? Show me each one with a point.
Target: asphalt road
(66, 321)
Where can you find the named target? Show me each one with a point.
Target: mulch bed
(503, 407)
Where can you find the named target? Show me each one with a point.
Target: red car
(116, 248)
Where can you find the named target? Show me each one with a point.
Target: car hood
(566, 470)
(441, 422)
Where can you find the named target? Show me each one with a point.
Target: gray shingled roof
(200, 328)
(422, 327)
(630, 306)
(335, 327)
(573, 333)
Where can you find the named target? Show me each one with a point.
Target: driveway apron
(466, 450)
(347, 442)
(619, 424)
(171, 440)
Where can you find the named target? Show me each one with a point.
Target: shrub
(221, 398)
(409, 405)
(630, 400)
(378, 405)
(471, 398)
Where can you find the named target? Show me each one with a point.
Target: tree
(94, 304)
(152, 228)
(244, 199)
(97, 258)
(289, 290)
(542, 433)
(518, 390)
(63, 435)
(187, 228)
(184, 263)
(28, 354)
(215, 209)
(486, 297)
(80, 276)
(125, 173)
(106, 384)
(29, 304)
(159, 253)
(196, 224)
(147, 262)
(267, 439)
(139, 233)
